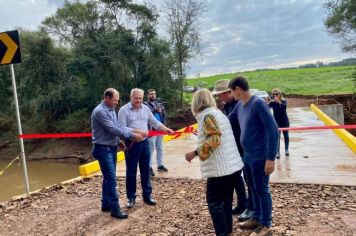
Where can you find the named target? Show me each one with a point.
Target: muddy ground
(74, 209)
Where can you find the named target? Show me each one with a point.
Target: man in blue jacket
(259, 139)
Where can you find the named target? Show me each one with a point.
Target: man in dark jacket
(156, 142)
(228, 103)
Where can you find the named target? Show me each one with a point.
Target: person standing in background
(279, 107)
(156, 142)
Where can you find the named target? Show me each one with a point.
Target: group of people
(237, 143)
(131, 123)
(238, 135)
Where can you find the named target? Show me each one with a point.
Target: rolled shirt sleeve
(110, 126)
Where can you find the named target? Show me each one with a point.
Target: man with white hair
(135, 115)
(106, 133)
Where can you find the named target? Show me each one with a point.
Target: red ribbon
(177, 134)
(320, 127)
(67, 135)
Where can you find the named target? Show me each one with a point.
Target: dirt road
(74, 209)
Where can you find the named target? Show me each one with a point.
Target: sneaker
(152, 173)
(278, 155)
(162, 168)
(262, 231)
(287, 153)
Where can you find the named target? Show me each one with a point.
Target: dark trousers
(106, 157)
(249, 193)
(261, 196)
(139, 153)
(219, 193)
(286, 140)
(239, 185)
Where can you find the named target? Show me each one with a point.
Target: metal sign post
(23, 158)
(9, 54)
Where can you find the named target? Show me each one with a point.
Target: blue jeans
(156, 142)
(139, 153)
(261, 196)
(249, 194)
(106, 157)
(286, 140)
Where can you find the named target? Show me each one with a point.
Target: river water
(41, 174)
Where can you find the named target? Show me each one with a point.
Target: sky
(236, 35)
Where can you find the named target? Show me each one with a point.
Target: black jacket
(227, 109)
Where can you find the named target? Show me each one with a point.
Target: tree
(183, 18)
(341, 21)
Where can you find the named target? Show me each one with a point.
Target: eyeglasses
(275, 94)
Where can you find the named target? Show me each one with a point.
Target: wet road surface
(316, 157)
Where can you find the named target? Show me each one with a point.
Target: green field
(306, 81)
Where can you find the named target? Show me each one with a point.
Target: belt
(102, 145)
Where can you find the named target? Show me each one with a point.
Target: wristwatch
(196, 153)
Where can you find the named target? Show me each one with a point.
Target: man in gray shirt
(105, 133)
(135, 115)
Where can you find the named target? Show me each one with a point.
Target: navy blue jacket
(280, 113)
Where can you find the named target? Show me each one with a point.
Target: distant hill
(323, 80)
(345, 62)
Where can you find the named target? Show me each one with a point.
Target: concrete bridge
(316, 157)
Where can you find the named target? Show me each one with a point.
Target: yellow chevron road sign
(9, 48)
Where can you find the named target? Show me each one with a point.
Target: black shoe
(246, 215)
(150, 201)
(105, 209)
(238, 210)
(152, 173)
(130, 202)
(162, 168)
(119, 213)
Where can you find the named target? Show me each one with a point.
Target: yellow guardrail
(343, 134)
(93, 166)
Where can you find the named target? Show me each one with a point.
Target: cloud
(236, 35)
(27, 14)
(264, 34)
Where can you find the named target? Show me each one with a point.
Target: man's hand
(137, 137)
(189, 156)
(141, 132)
(168, 130)
(269, 167)
(122, 146)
